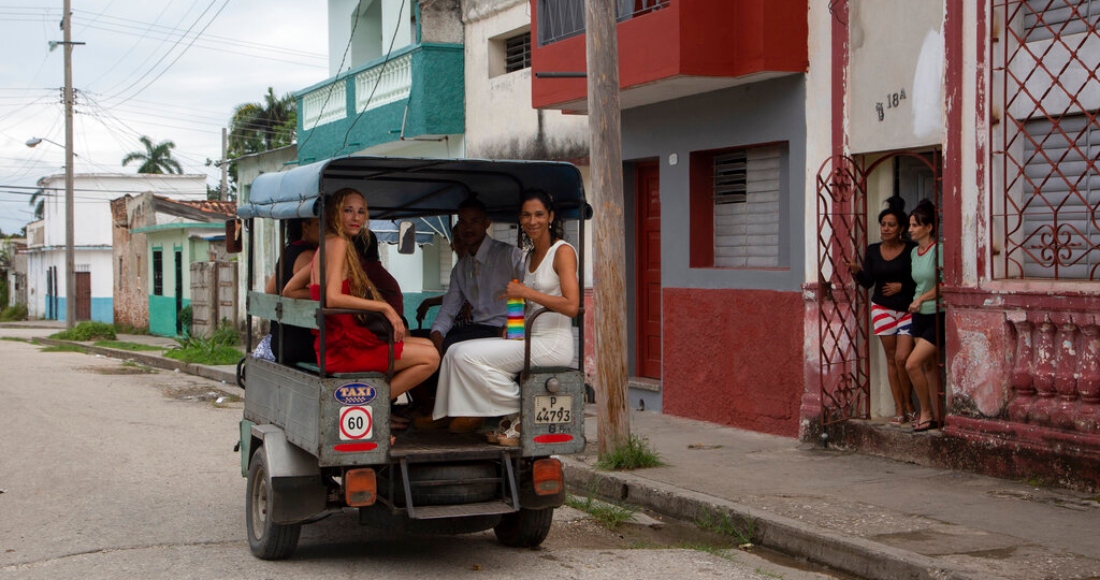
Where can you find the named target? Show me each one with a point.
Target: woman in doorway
(887, 266)
(349, 346)
(478, 377)
(927, 315)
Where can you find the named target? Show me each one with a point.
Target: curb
(164, 363)
(852, 555)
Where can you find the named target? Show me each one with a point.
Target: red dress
(350, 348)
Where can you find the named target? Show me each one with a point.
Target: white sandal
(507, 432)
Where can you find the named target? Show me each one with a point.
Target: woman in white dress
(477, 378)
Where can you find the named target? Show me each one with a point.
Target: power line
(178, 56)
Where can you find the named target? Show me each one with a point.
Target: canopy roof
(396, 188)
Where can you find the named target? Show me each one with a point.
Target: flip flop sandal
(899, 420)
(509, 435)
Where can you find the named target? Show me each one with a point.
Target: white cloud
(251, 45)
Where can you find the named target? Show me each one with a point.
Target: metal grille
(730, 177)
(1049, 138)
(158, 273)
(560, 19)
(843, 304)
(517, 52)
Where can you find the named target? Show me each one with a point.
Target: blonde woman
(349, 346)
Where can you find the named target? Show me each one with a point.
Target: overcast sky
(169, 69)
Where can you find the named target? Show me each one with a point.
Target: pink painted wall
(734, 357)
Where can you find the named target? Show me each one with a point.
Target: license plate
(553, 409)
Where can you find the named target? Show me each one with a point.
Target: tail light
(547, 476)
(360, 487)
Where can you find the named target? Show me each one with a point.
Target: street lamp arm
(34, 141)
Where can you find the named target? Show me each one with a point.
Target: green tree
(257, 127)
(38, 200)
(155, 159)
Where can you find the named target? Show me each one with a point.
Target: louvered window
(729, 178)
(736, 207)
(517, 52)
(1047, 19)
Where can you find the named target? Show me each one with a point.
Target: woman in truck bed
(478, 377)
(349, 346)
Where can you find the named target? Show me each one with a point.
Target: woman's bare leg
(419, 359)
(889, 346)
(923, 353)
(905, 385)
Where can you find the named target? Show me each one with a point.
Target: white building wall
(92, 236)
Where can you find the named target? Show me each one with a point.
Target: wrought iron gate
(842, 304)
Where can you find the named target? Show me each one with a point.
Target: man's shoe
(465, 424)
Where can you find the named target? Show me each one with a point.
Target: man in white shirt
(479, 278)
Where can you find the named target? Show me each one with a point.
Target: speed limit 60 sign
(356, 423)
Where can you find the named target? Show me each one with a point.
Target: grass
(636, 454)
(205, 352)
(127, 329)
(14, 339)
(16, 312)
(131, 346)
(609, 515)
(219, 349)
(723, 524)
(86, 331)
(64, 348)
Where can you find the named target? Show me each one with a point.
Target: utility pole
(224, 164)
(70, 255)
(606, 158)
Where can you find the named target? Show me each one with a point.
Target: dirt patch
(201, 394)
(123, 369)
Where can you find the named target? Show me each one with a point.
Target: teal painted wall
(436, 107)
(162, 315)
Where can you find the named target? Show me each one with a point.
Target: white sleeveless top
(545, 279)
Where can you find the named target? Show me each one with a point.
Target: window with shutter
(736, 207)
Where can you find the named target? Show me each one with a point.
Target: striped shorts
(889, 322)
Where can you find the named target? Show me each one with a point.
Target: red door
(648, 268)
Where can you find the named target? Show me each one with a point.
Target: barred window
(158, 273)
(1049, 140)
(517, 52)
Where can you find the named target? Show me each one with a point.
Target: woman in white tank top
(477, 377)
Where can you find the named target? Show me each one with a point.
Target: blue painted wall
(103, 309)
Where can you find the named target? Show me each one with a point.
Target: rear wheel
(268, 540)
(526, 528)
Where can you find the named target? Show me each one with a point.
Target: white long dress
(477, 378)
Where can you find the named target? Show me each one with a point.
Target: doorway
(648, 268)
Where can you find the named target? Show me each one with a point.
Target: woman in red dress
(350, 347)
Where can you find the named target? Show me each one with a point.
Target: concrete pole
(606, 158)
(70, 255)
(224, 193)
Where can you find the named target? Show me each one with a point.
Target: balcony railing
(386, 83)
(559, 19)
(324, 105)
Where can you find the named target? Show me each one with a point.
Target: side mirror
(406, 238)
(233, 236)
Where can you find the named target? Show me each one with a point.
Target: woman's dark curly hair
(557, 229)
(895, 206)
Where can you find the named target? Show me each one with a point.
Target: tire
(454, 494)
(266, 539)
(526, 528)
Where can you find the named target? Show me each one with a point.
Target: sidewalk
(866, 516)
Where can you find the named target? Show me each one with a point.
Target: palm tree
(38, 200)
(155, 159)
(257, 127)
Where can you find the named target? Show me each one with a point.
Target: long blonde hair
(360, 284)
